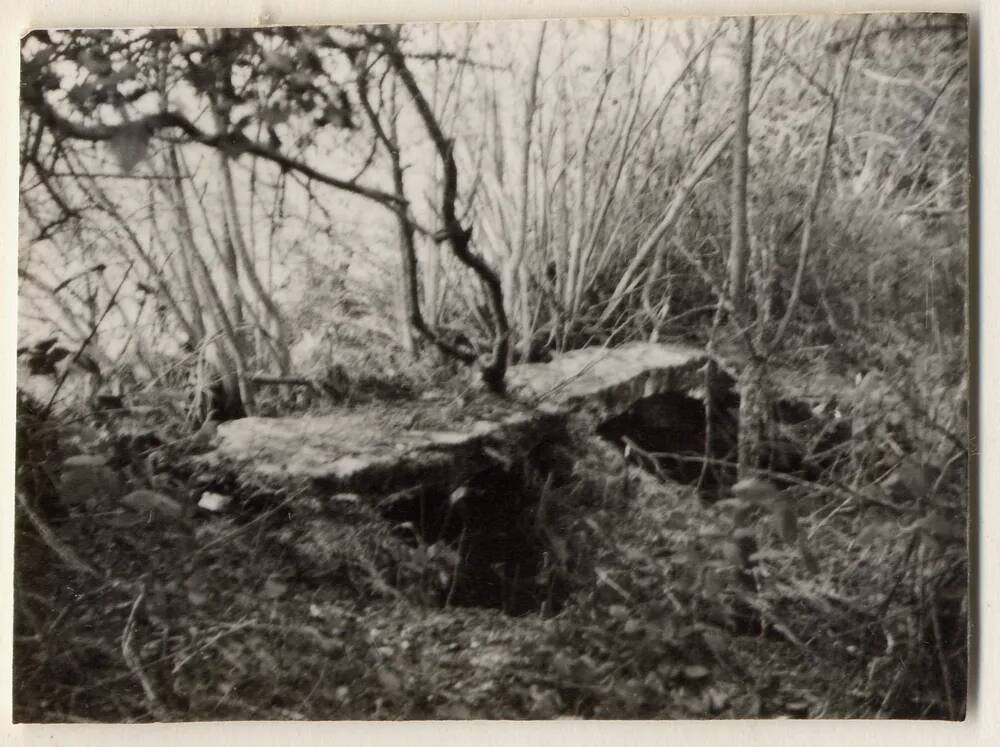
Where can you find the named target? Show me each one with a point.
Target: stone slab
(356, 451)
(384, 447)
(604, 382)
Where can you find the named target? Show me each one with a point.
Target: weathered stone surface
(378, 449)
(357, 451)
(605, 382)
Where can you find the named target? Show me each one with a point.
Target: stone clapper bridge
(417, 458)
(372, 450)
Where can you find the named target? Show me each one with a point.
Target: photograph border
(981, 725)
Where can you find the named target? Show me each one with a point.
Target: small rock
(214, 501)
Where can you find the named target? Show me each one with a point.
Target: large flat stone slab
(440, 438)
(370, 450)
(605, 382)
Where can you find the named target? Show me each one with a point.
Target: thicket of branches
(583, 188)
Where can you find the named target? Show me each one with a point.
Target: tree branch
(233, 143)
(457, 236)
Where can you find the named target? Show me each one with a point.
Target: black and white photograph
(581, 368)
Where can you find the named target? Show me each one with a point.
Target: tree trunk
(754, 421)
(518, 268)
(753, 401)
(738, 242)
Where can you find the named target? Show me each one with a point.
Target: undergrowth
(846, 597)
